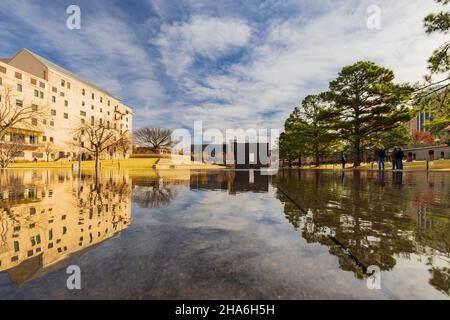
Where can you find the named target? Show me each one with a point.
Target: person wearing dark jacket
(394, 163)
(399, 155)
(343, 160)
(381, 154)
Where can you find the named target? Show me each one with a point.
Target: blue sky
(229, 63)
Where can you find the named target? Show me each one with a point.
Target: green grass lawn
(145, 163)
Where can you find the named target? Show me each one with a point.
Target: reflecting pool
(225, 235)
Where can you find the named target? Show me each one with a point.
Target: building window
(63, 83)
(66, 103)
(2, 69)
(54, 90)
(101, 110)
(34, 107)
(53, 112)
(109, 103)
(41, 95)
(68, 85)
(92, 120)
(19, 103)
(36, 93)
(93, 96)
(34, 122)
(18, 75)
(83, 121)
(82, 103)
(42, 85)
(53, 99)
(44, 121)
(44, 139)
(51, 139)
(33, 81)
(52, 123)
(101, 99)
(83, 92)
(62, 94)
(83, 114)
(66, 116)
(19, 87)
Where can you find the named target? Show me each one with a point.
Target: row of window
(37, 93)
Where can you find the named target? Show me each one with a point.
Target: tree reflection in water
(366, 219)
(154, 193)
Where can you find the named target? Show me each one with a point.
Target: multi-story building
(418, 122)
(66, 99)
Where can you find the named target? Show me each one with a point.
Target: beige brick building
(67, 100)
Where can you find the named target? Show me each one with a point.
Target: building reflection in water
(47, 218)
(366, 220)
(232, 181)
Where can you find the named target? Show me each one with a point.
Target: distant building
(67, 100)
(419, 121)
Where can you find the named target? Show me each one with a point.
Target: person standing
(343, 160)
(381, 158)
(399, 155)
(393, 160)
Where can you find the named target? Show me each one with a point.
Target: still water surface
(224, 235)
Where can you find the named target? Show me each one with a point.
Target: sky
(229, 63)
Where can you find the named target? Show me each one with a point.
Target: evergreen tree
(364, 101)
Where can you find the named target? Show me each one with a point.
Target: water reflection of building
(232, 181)
(49, 218)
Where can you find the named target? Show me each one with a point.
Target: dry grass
(146, 163)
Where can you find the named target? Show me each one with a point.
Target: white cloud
(207, 37)
(296, 57)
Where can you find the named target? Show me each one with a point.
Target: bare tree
(14, 113)
(124, 143)
(154, 138)
(97, 138)
(8, 152)
(49, 148)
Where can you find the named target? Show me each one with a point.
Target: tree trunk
(357, 159)
(317, 155)
(299, 161)
(97, 164)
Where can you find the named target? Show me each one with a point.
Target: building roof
(5, 60)
(66, 72)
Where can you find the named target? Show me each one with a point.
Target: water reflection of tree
(153, 194)
(362, 221)
(101, 190)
